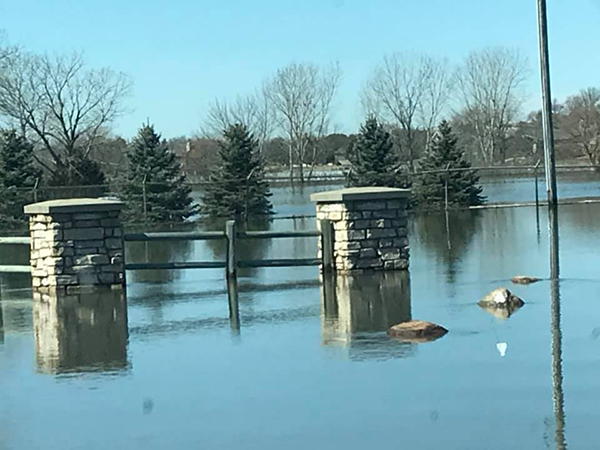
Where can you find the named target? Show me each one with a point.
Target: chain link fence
(504, 186)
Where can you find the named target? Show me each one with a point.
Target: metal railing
(231, 236)
(231, 262)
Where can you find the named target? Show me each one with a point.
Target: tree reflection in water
(357, 311)
(246, 249)
(157, 252)
(81, 333)
(448, 236)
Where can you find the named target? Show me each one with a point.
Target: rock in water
(501, 298)
(417, 331)
(521, 279)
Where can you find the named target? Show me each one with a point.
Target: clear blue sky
(182, 53)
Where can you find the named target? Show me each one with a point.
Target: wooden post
(230, 232)
(330, 307)
(327, 244)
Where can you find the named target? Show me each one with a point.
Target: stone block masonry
(370, 227)
(76, 243)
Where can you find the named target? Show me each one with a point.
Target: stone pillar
(76, 243)
(370, 227)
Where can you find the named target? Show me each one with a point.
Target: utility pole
(549, 156)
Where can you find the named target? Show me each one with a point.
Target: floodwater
(310, 365)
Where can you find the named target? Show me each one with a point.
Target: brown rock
(417, 331)
(521, 279)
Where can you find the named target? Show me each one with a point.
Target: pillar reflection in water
(81, 333)
(558, 399)
(357, 311)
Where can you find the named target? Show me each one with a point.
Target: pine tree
(373, 161)
(78, 169)
(463, 185)
(238, 183)
(18, 176)
(154, 188)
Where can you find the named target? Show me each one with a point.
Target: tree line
(58, 113)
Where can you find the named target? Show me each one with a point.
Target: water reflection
(234, 305)
(80, 333)
(501, 313)
(357, 310)
(157, 251)
(246, 249)
(1, 324)
(558, 399)
(449, 236)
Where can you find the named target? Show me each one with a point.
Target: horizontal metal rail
(177, 265)
(26, 240)
(174, 236)
(15, 269)
(280, 263)
(277, 234)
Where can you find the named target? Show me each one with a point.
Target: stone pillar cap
(73, 205)
(360, 193)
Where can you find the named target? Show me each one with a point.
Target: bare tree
(402, 91)
(223, 113)
(254, 111)
(436, 96)
(489, 84)
(5, 49)
(302, 97)
(581, 120)
(61, 104)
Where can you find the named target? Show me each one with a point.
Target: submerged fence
(230, 235)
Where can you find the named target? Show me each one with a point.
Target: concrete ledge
(360, 193)
(74, 205)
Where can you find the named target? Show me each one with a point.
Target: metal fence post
(246, 208)
(446, 187)
(327, 245)
(35, 189)
(144, 200)
(230, 232)
(537, 195)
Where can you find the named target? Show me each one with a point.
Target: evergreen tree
(18, 176)
(238, 183)
(154, 188)
(78, 169)
(373, 161)
(463, 185)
